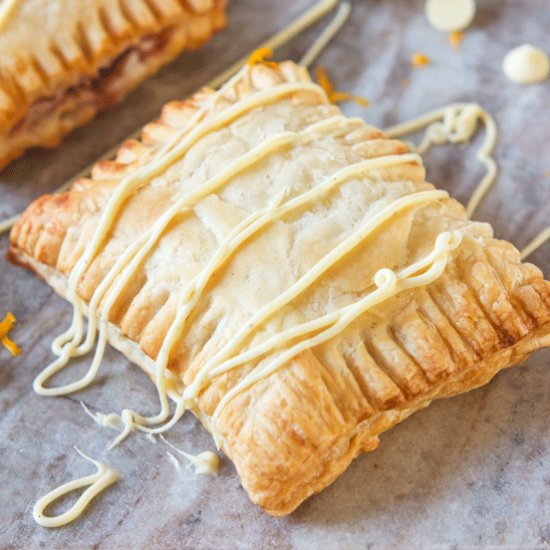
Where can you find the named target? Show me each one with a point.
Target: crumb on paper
(419, 60)
(455, 40)
(333, 95)
(5, 326)
(406, 82)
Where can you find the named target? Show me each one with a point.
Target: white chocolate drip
(104, 420)
(536, 243)
(8, 223)
(329, 32)
(456, 123)
(96, 483)
(205, 463)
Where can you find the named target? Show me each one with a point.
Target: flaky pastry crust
(63, 61)
(293, 433)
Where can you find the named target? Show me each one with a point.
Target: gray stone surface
(468, 471)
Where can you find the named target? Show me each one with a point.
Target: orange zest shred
(419, 60)
(333, 95)
(455, 40)
(262, 56)
(5, 326)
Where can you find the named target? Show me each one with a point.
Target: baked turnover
(285, 273)
(62, 61)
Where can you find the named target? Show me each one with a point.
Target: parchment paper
(473, 470)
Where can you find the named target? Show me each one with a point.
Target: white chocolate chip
(450, 15)
(526, 64)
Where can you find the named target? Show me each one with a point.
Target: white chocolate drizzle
(542, 238)
(328, 33)
(205, 463)
(456, 123)
(281, 38)
(104, 420)
(387, 284)
(225, 359)
(69, 344)
(103, 478)
(218, 365)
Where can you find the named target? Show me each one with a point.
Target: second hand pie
(63, 61)
(285, 273)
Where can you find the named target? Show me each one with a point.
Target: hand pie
(62, 61)
(302, 283)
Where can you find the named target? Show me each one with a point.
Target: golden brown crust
(74, 66)
(292, 434)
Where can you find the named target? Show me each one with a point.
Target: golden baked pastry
(303, 285)
(62, 61)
